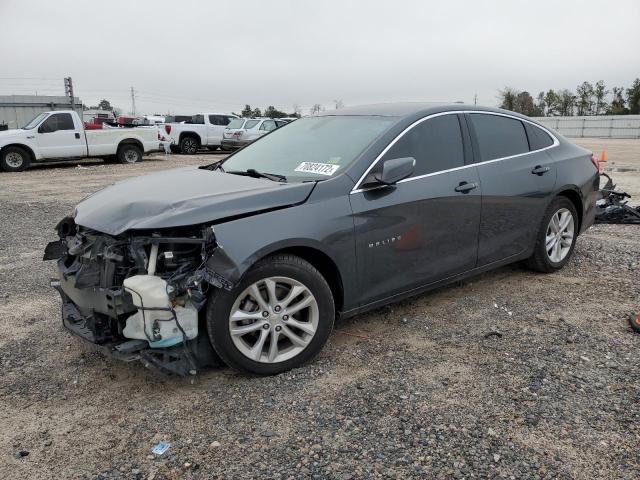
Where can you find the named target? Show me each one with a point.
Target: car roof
(411, 109)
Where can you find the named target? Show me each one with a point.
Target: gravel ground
(510, 374)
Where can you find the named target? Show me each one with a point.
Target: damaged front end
(140, 295)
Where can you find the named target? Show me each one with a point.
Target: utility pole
(133, 102)
(68, 91)
(475, 99)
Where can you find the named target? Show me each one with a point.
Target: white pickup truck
(60, 135)
(203, 131)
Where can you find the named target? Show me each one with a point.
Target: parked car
(330, 217)
(204, 130)
(241, 131)
(60, 135)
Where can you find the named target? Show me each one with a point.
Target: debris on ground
(160, 448)
(613, 206)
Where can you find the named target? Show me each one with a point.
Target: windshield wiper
(252, 172)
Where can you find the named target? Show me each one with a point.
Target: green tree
(256, 113)
(507, 97)
(524, 104)
(105, 105)
(600, 93)
(551, 103)
(633, 97)
(584, 103)
(273, 112)
(618, 102)
(566, 102)
(246, 111)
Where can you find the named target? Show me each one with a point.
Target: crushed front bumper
(183, 359)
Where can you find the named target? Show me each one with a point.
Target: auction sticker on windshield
(319, 168)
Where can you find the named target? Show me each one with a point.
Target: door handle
(77, 135)
(540, 170)
(465, 187)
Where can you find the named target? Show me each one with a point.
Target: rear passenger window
(538, 138)
(499, 136)
(436, 144)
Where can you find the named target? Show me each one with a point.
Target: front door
(58, 137)
(424, 228)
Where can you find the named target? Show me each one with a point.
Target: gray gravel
(508, 375)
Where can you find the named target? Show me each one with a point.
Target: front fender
(325, 225)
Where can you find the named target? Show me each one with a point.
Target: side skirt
(433, 285)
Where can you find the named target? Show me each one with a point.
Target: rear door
(59, 137)
(517, 177)
(425, 228)
(266, 127)
(215, 128)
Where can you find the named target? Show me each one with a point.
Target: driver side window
(436, 144)
(57, 121)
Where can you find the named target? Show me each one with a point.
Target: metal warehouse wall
(17, 110)
(607, 126)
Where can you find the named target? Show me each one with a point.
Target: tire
(129, 153)
(15, 159)
(544, 261)
(287, 272)
(189, 145)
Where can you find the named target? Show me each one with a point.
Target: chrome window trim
(356, 188)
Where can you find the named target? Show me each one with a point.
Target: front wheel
(278, 317)
(556, 238)
(14, 159)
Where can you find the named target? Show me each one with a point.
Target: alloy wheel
(190, 146)
(274, 319)
(560, 233)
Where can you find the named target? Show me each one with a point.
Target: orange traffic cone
(603, 156)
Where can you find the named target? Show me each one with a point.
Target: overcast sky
(185, 56)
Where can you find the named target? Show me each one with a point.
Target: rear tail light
(167, 128)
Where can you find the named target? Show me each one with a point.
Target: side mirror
(395, 169)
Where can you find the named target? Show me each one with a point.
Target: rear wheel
(279, 316)
(14, 159)
(129, 153)
(556, 238)
(189, 145)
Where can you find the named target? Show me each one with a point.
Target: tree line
(588, 99)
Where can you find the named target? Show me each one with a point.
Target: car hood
(182, 197)
(6, 135)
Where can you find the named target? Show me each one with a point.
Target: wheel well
(131, 141)
(574, 197)
(23, 147)
(190, 134)
(325, 265)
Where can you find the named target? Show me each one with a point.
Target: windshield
(310, 148)
(236, 123)
(32, 124)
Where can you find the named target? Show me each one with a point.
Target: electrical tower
(68, 91)
(133, 102)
